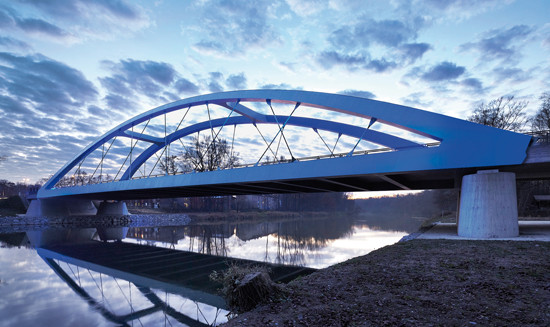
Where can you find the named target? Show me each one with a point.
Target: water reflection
(113, 278)
(121, 276)
(306, 241)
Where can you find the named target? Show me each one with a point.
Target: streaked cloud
(500, 43)
(229, 28)
(73, 21)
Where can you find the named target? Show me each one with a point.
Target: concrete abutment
(488, 205)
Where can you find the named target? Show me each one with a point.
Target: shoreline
(420, 282)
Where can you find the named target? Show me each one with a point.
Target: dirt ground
(421, 283)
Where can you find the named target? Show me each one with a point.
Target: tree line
(508, 113)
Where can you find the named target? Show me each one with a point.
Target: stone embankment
(24, 223)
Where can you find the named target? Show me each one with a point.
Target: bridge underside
(443, 179)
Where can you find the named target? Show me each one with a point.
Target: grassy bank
(421, 282)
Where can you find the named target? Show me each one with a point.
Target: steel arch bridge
(287, 141)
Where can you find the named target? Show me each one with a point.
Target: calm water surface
(158, 275)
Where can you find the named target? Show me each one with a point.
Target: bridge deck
(535, 166)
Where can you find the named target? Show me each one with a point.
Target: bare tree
(207, 155)
(169, 165)
(503, 113)
(541, 120)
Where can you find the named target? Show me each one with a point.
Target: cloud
(455, 9)
(214, 87)
(11, 43)
(389, 33)
(417, 99)
(411, 52)
(367, 31)
(131, 78)
(473, 84)
(380, 65)
(236, 81)
(39, 26)
(443, 71)
(500, 43)
(134, 84)
(511, 73)
(10, 105)
(44, 85)
(72, 21)
(79, 8)
(358, 93)
(288, 66)
(119, 102)
(354, 61)
(280, 86)
(307, 7)
(228, 28)
(184, 86)
(350, 45)
(329, 59)
(10, 19)
(43, 113)
(214, 82)
(458, 4)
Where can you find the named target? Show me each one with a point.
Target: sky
(72, 70)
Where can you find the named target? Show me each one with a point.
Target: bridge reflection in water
(150, 280)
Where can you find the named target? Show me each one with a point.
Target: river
(156, 274)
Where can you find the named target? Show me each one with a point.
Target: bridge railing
(85, 181)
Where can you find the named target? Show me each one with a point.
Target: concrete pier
(115, 208)
(488, 205)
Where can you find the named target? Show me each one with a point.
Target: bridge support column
(117, 208)
(58, 207)
(488, 205)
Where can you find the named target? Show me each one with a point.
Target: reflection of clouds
(33, 295)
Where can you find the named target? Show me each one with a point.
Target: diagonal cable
(214, 137)
(266, 143)
(372, 120)
(102, 158)
(322, 139)
(282, 128)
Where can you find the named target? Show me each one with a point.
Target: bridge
(282, 141)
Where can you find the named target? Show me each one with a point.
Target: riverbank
(421, 282)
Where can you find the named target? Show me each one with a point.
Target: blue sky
(71, 70)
